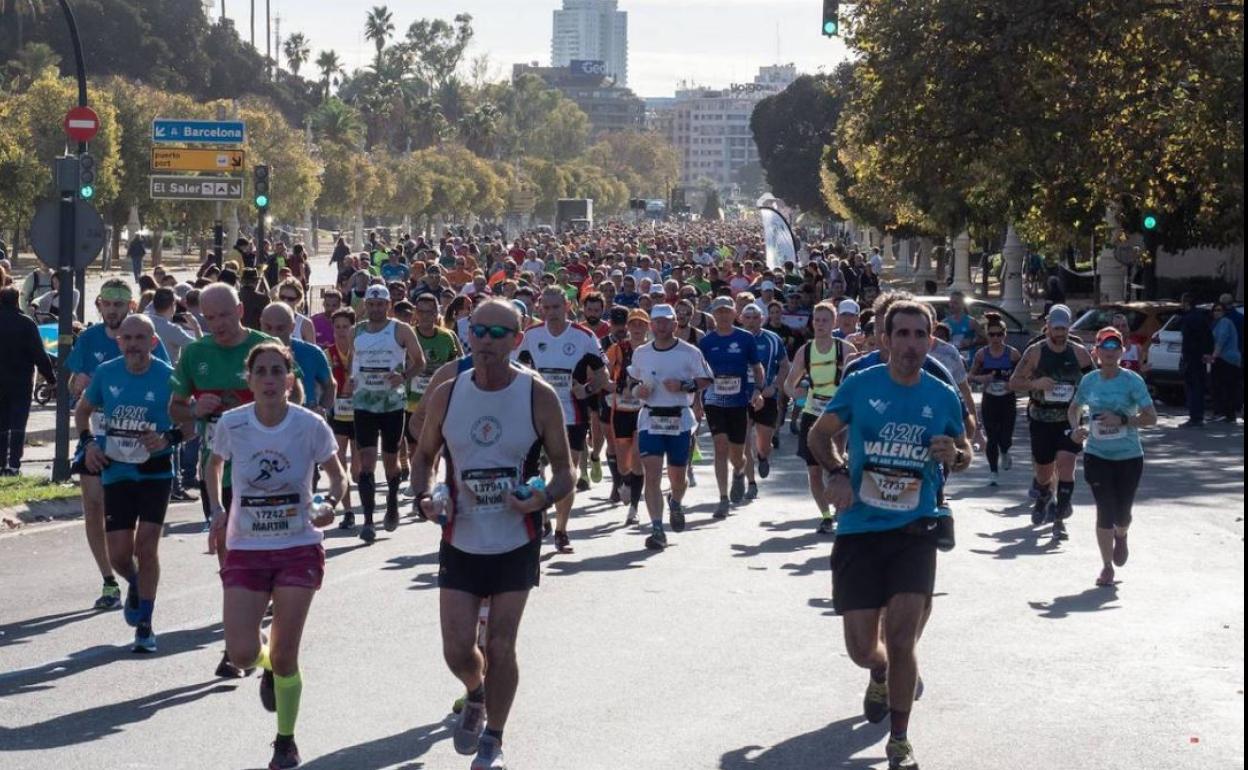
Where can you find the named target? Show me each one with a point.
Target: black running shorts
(1049, 438)
(128, 502)
(730, 420)
(870, 568)
(768, 415)
(484, 575)
(387, 425)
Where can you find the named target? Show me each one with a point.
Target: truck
(574, 214)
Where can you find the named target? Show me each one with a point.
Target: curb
(18, 516)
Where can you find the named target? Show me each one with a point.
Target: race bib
(344, 408)
(1061, 393)
(627, 402)
(1104, 432)
(420, 383)
(372, 378)
(270, 516)
(123, 444)
(489, 486)
(816, 404)
(727, 386)
(559, 379)
(96, 423)
(997, 388)
(665, 425)
(891, 489)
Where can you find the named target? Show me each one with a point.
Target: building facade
(610, 107)
(591, 30)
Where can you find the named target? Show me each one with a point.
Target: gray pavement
(721, 652)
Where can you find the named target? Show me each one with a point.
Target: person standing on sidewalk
(1228, 367)
(21, 348)
(176, 331)
(1197, 345)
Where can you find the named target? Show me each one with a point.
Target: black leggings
(1113, 485)
(1000, 414)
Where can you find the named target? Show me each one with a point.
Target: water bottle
(320, 507)
(526, 490)
(441, 499)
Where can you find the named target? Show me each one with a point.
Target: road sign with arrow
(179, 159)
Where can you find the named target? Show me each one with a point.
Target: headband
(116, 293)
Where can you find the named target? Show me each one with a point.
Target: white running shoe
(994, 478)
(489, 755)
(1006, 461)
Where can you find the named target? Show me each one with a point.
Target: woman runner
(992, 368)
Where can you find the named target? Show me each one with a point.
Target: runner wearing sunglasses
(992, 368)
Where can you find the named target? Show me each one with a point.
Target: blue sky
(704, 42)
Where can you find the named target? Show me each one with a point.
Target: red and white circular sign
(81, 124)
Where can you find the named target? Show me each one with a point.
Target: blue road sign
(198, 131)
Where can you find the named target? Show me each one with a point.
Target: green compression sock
(288, 689)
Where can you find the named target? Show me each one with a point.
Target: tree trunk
(158, 243)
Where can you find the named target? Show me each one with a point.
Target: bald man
(278, 320)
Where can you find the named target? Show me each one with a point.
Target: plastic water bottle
(441, 499)
(526, 490)
(320, 507)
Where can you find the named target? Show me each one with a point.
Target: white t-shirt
(877, 264)
(652, 274)
(951, 358)
(681, 362)
(272, 473)
(535, 266)
(555, 359)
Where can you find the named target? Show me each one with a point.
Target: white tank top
(488, 434)
(377, 354)
(300, 320)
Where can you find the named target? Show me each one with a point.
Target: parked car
(1163, 376)
(1144, 319)
(1017, 332)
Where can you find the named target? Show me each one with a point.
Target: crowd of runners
(496, 378)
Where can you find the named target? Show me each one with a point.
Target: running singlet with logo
(1063, 368)
(619, 358)
(1125, 395)
(131, 405)
(826, 370)
(271, 470)
(440, 348)
(488, 435)
(377, 355)
(730, 357)
(1001, 368)
(556, 358)
(652, 366)
(770, 353)
(891, 427)
(930, 365)
(340, 365)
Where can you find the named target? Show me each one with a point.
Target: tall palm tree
(378, 27)
(337, 122)
(330, 65)
(297, 51)
(23, 8)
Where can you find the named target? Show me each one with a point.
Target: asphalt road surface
(721, 652)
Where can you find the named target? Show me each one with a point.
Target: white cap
(377, 291)
(767, 286)
(662, 311)
(753, 308)
(847, 307)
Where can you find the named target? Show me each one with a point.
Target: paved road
(720, 653)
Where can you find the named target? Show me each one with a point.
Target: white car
(1164, 376)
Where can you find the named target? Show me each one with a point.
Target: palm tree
(30, 61)
(337, 122)
(22, 8)
(378, 27)
(297, 51)
(330, 65)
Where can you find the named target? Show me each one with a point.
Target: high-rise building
(610, 107)
(591, 30)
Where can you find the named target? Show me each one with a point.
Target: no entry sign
(81, 124)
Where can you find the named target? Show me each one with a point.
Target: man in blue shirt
(775, 360)
(733, 355)
(904, 424)
(319, 389)
(134, 458)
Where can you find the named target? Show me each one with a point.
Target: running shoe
(489, 755)
(1007, 462)
(764, 467)
(1035, 493)
(1059, 530)
(285, 753)
(693, 480)
(391, 519)
(467, 732)
(1106, 578)
(130, 610)
(827, 526)
(458, 705)
(368, 534)
(1063, 511)
(900, 755)
(737, 492)
(347, 522)
(1039, 511)
(775, 441)
(751, 491)
(268, 695)
(582, 484)
(227, 670)
(697, 453)
(721, 510)
(994, 479)
(875, 701)
(1192, 424)
(595, 470)
(563, 544)
(182, 496)
(657, 540)
(110, 597)
(676, 513)
(631, 519)
(144, 639)
(1120, 551)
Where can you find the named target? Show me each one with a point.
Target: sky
(699, 42)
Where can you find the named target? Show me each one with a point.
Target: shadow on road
(800, 542)
(827, 747)
(1093, 599)
(611, 563)
(1022, 541)
(392, 751)
(18, 631)
(101, 721)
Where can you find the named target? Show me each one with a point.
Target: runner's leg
(506, 610)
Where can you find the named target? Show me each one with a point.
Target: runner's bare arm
(796, 371)
(180, 413)
(819, 441)
(337, 477)
(548, 414)
(430, 444)
(415, 353)
(78, 384)
(1020, 381)
(82, 415)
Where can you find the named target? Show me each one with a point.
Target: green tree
(297, 51)
(378, 27)
(337, 122)
(644, 161)
(438, 47)
(29, 63)
(330, 66)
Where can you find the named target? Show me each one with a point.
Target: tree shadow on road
(618, 561)
(101, 721)
(18, 631)
(392, 751)
(1091, 600)
(830, 746)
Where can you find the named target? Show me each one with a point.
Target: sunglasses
(996, 334)
(1110, 344)
(494, 331)
(289, 298)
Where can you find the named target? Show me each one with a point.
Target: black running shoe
(751, 491)
(227, 670)
(1039, 511)
(1063, 511)
(268, 696)
(676, 514)
(391, 520)
(285, 753)
(347, 522)
(721, 510)
(582, 484)
(764, 467)
(775, 441)
(736, 492)
(875, 701)
(1059, 531)
(827, 526)
(368, 534)
(657, 540)
(563, 544)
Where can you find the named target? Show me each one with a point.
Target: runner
(319, 389)
(763, 421)
(560, 352)
(964, 331)
(686, 331)
(1118, 405)
(489, 418)
(1050, 370)
(386, 355)
(135, 461)
(817, 372)
(440, 346)
(273, 537)
(342, 417)
(667, 373)
(617, 331)
(904, 424)
(593, 306)
(732, 355)
(992, 368)
(95, 345)
(624, 407)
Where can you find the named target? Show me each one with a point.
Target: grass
(18, 490)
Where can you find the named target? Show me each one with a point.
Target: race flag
(777, 235)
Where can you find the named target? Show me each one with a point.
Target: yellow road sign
(179, 159)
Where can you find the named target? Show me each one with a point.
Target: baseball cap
(1108, 333)
(662, 311)
(1058, 317)
(768, 286)
(656, 291)
(753, 309)
(722, 302)
(637, 314)
(848, 307)
(377, 291)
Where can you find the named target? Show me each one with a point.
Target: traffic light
(86, 176)
(1150, 222)
(260, 177)
(831, 18)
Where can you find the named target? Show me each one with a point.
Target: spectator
(21, 349)
(1197, 347)
(175, 330)
(35, 285)
(49, 304)
(341, 252)
(136, 251)
(254, 296)
(1236, 317)
(1228, 371)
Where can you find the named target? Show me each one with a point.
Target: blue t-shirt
(1126, 395)
(930, 365)
(770, 353)
(730, 356)
(627, 299)
(890, 432)
(131, 404)
(314, 366)
(93, 347)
